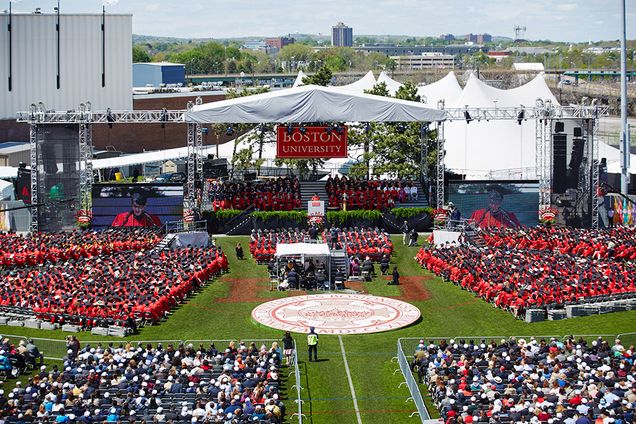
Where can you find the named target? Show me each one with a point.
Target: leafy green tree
(322, 77)
(139, 54)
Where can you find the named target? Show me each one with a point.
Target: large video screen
(496, 203)
(136, 205)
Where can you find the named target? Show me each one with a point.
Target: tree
(322, 77)
(139, 54)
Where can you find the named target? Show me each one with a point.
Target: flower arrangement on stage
(83, 218)
(316, 220)
(440, 216)
(547, 215)
(188, 215)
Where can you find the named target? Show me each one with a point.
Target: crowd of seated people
(281, 194)
(617, 242)
(263, 242)
(39, 248)
(120, 288)
(310, 275)
(17, 359)
(518, 277)
(368, 194)
(360, 242)
(138, 384)
(534, 381)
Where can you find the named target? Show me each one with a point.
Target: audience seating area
(147, 383)
(281, 194)
(540, 268)
(371, 194)
(359, 242)
(18, 250)
(529, 381)
(110, 279)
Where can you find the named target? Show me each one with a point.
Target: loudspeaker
(559, 161)
(559, 127)
(249, 176)
(578, 146)
(216, 168)
(578, 132)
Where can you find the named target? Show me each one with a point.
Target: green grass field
(448, 312)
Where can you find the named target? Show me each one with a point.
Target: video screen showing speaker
(58, 176)
(497, 204)
(136, 205)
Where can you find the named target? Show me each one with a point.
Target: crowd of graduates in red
(546, 268)
(360, 242)
(39, 248)
(119, 286)
(281, 194)
(368, 194)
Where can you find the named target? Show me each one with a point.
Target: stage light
(328, 129)
(424, 129)
(290, 129)
(229, 131)
(340, 129)
(110, 118)
(520, 116)
(467, 117)
(302, 129)
(367, 127)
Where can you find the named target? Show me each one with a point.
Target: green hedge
(407, 213)
(340, 217)
(296, 216)
(227, 214)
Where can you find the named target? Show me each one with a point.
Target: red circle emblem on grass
(335, 313)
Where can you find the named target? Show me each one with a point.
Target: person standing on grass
(288, 347)
(405, 233)
(396, 277)
(312, 343)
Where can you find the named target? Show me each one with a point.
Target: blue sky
(563, 20)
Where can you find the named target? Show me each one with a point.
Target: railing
(299, 401)
(416, 395)
(184, 227)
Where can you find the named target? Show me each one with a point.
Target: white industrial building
(94, 65)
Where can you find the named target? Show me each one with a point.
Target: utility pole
(624, 134)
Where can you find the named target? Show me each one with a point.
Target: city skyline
(569, 21)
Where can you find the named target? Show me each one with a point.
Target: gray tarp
(313, 103)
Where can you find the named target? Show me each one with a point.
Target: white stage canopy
(303, 249)
(299, 79)
(392, 85)
(312, 103)
(447, 89)
(365, 83)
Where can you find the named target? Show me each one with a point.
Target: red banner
(312, 142)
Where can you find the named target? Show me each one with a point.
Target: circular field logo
(335, 313)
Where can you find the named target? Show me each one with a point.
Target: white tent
(447, 89)
(496, 149)
(302, 249)
(8, 172)
(392, 85)
(299, 79)
(7, 191)
(313, 104)
(365, 83)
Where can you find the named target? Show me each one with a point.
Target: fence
(416, 395)
(410, 344)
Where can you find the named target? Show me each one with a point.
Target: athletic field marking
(353, 391)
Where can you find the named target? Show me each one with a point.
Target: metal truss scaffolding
(86, 157)
(439, 203)
(33, 139)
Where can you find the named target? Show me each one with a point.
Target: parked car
(175, 177)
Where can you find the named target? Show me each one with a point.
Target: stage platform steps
(339, 260)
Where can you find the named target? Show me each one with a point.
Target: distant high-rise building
(447, 37)
(341, 35)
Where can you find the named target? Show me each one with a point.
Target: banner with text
(312, 142)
